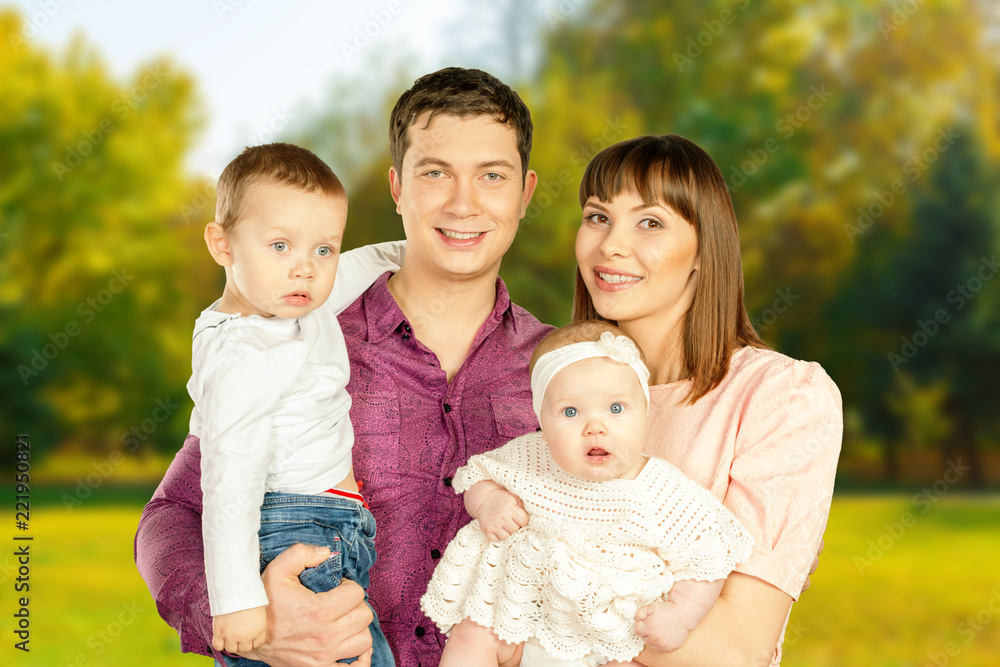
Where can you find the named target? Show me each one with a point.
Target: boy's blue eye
(569, 412)
(616, 408)
(280, 246)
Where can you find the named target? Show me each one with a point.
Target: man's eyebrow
(496, 163)
(437, 162)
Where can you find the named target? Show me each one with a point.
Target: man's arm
(304, 628)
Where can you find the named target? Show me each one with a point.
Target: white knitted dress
(591, 555)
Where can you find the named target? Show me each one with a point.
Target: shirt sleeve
(781, 480)
(169, 555)
(358, 269)
(239, 386)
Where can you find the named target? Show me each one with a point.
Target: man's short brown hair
(464, 93)
(285, 164)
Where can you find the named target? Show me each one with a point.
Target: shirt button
(407, 327)
(435, 554)
(447, 408)
(406, 336)
(419, 632)
(447, 481)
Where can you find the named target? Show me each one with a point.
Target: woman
(658, 254)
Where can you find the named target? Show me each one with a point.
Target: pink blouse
(765, 442)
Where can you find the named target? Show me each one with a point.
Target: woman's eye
(324, 251)
(280, 246)
(599, 218)
(650, 223)
(616, 408)
(569, 412)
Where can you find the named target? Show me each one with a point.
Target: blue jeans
(341, 524)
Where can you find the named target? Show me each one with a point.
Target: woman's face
(639, 262)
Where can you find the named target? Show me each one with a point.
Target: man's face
(460, 195)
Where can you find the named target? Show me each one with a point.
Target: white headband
(620, 349)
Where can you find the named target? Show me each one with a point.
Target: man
(439, 360)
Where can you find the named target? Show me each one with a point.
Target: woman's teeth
(618, 278)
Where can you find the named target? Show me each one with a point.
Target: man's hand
(307, 629)
(237, 631)
(813, 568)
(499, 512)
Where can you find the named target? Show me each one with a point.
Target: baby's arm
(239, 631)
(665, 625)
(500, 512)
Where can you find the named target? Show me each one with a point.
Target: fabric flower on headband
(620, 348)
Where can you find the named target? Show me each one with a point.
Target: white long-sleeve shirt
(271, 411)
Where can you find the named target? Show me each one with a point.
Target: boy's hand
(500, 513)
(240, 631)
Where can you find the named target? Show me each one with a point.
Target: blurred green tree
(101, 269)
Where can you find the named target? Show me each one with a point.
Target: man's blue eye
(569, 412)
(616, 408)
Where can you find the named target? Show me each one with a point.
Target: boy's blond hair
(285, 164)
(581, 331)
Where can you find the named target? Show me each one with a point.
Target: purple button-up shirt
(413, 429)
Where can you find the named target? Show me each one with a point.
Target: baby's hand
(240, 631)
(500, 514)
(658, 626)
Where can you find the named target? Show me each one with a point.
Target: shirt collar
(384, 316)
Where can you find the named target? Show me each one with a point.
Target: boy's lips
(300, 298)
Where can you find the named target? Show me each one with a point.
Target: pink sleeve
(781, 480)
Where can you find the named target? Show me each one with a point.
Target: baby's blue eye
(616, 408)
(280, 246)
(569, 412)
(324, 251)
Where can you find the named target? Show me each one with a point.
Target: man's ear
(395, 186)
(530, 182)
(218, 244)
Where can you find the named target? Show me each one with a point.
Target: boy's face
(594, 420)
(460, 194)
(283, 253)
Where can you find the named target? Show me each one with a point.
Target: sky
(260, 65)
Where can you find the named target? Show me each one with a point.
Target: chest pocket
(512, 415)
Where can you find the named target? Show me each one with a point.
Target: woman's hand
(307, 629)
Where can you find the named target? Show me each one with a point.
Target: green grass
(902, 610)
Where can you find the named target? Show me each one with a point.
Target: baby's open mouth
(597, 451)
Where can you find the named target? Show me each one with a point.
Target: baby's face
(285, 250)
(594, 420)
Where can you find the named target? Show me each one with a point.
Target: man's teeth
(618, 278)
(459, 236)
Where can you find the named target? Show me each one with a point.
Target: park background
(860, 140)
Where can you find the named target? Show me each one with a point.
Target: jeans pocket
(327, 575)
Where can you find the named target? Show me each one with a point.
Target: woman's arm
(741, 629)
